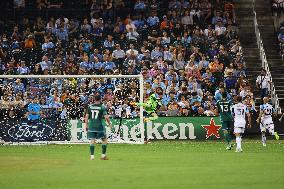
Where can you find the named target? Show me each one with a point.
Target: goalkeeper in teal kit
(150, 106)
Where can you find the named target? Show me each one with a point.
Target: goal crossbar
(68, 76)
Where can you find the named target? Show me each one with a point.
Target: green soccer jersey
(224, 108)
(96, 113)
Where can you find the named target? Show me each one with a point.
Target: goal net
(38, 109)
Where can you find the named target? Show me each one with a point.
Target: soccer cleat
(92, 157)
(276, 136)
(146, 119)
(239, 150)
(264, 144)
(228, 147)
(104, 158)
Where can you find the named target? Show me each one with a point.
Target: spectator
(45, 63)
(132, 35)
(34, 111)
(262, 83)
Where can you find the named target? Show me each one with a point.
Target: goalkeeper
(150, 106)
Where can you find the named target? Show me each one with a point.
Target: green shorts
(96, 135)
(226, 125)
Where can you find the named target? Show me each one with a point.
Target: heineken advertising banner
(171, 128)
(165, 128)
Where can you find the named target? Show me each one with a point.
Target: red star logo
(212, 129)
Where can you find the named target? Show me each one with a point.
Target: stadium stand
(187, 51)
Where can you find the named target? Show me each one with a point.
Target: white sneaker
(264, 144)
(92, 157)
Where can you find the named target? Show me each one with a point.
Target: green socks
(227, 137)
(104, 148)
(92, 149)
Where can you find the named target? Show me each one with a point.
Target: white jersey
(268, 110)
(240, 110)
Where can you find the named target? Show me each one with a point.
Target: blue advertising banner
(20, 130)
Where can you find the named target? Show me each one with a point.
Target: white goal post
(139, 77)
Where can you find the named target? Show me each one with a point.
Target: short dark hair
(224, 95)
(97, 97)
(239, 98)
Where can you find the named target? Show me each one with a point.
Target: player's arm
(106, 116)
(108, 121)
(260, 115)
(274, 112)
(217, 109)
(280, 119)
(249, 119)
(86, 119)
(139, 104)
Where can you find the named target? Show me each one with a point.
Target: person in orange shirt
(216, 68)
(30, 42)
(166, 24)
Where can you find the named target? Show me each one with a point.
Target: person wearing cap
(166, 24)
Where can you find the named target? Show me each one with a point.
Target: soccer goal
(46, 109)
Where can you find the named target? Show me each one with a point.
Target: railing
(265, 65)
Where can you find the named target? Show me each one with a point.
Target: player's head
(239, 99)
(265, 100)
(224, 95)
(97, 98)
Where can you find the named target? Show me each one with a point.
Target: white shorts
(267, 124)
(239, 130)
(240, 123)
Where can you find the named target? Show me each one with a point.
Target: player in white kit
(240, 112)
(265, 120)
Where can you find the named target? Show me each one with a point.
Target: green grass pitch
(159, 165)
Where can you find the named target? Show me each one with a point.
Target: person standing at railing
(34, 111)
(262, 82)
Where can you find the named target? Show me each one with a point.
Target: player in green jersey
(224, 107)
(94, 115)
(150, 106)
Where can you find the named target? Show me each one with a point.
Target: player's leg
(238, 141)
(146, 119)
(91, 137)
(238, 133)
(226, 132)
(263, 131)
(153, 116)
(104, 147)
(92, 148)
(272, 132)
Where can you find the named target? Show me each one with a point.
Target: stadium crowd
(188, 52)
